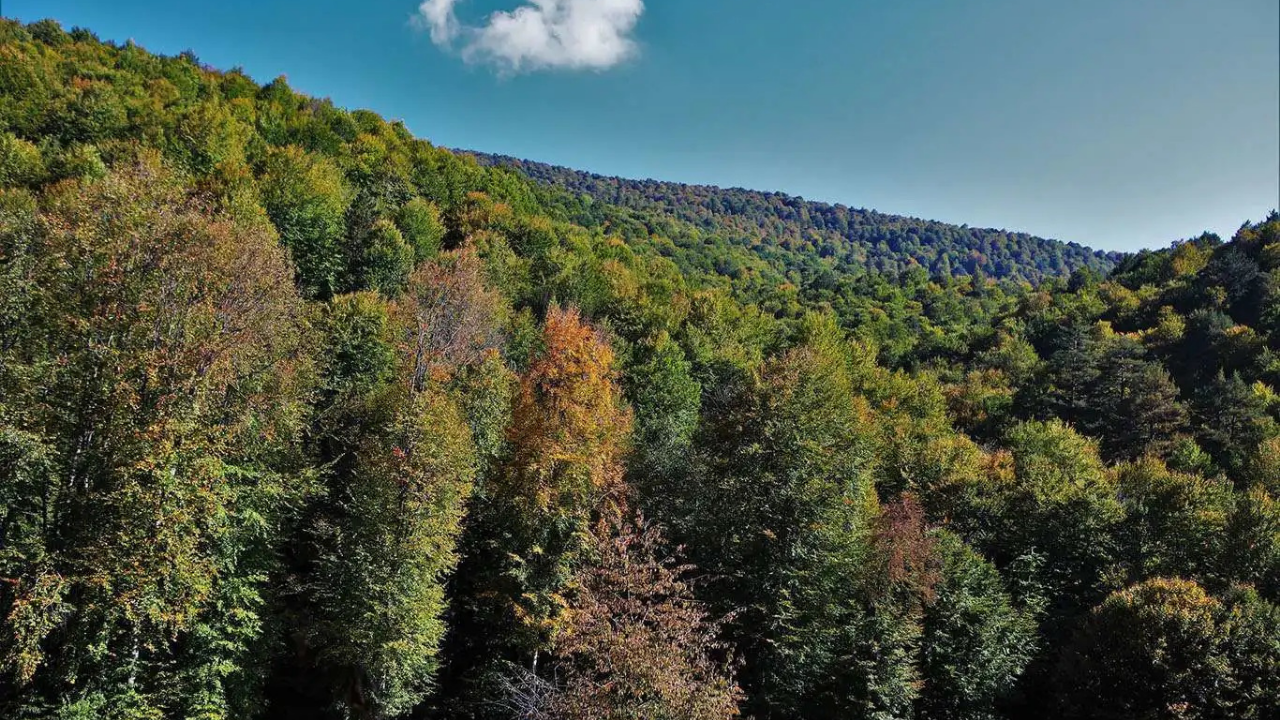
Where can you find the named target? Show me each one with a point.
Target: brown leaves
(451, 317)
(637, 645)
(906, 552)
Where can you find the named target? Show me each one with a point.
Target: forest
(304, 417)
(820, 237)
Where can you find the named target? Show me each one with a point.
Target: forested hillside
(304, 417)
(818, 239)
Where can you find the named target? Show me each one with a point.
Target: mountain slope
(304, 417)
(848, 240)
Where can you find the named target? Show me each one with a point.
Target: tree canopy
(304, 417)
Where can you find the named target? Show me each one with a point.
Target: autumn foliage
(305, 418)
(569, 429)
(637, 645)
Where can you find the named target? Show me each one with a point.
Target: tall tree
(530, 521)
(396, 445)
(155, 405)
(976, 641)
(783, 518)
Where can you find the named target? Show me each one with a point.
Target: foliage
(304, 417)
(1165, 649)
(151, 390)
(637, 645)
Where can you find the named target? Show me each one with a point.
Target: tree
(382, 259)
(1050, 495)
(1167, 649)
(396, 445)
(528, 527)
(1065, 387)
(976, 641)
(1174, 522)
(666, 399)
(1232, 420)
(636, 644)
(419, 221)
(386, 550)
(567, 439)
(1251, 542)
(450, 316)
(783, 515)
(1252, 649)
(1137, 402)
(306, 197)
(20, 162)
(155, 409)
(1047, 516)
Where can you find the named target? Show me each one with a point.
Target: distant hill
(851, 240)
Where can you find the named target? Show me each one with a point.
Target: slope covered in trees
(303, 417)
(815, 237)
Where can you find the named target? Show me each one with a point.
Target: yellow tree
(569, 432)
(569, 428)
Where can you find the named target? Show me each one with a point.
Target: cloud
(437, 17)
(539, 35)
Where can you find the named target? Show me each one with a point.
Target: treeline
(820, 240)
(302, 417)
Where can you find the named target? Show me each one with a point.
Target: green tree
(1137, 402)
(976, 640)
(666, 399)
(383, 260)
(155, 403)
(20, 162)
(784, 516)
(396, 446)
(306, 197)
(1050, 495)
(1167, 649)
(1174, 522)
(419, 221)
(1251, 552)
(1233, 421)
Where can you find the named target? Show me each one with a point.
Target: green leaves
(1165, 647)
(169, 342)
(306, 197)
(977, 640)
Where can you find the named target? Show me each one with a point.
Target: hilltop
(817, 236)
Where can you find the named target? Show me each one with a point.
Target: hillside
(303, 417)
(814, 236)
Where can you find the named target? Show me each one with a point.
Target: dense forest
(304, 417)
(820, 238)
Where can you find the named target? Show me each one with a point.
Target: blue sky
(1116, 124)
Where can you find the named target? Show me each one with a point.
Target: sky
(1115, 124)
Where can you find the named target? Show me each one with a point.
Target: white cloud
(437, 16)
(539, 35)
